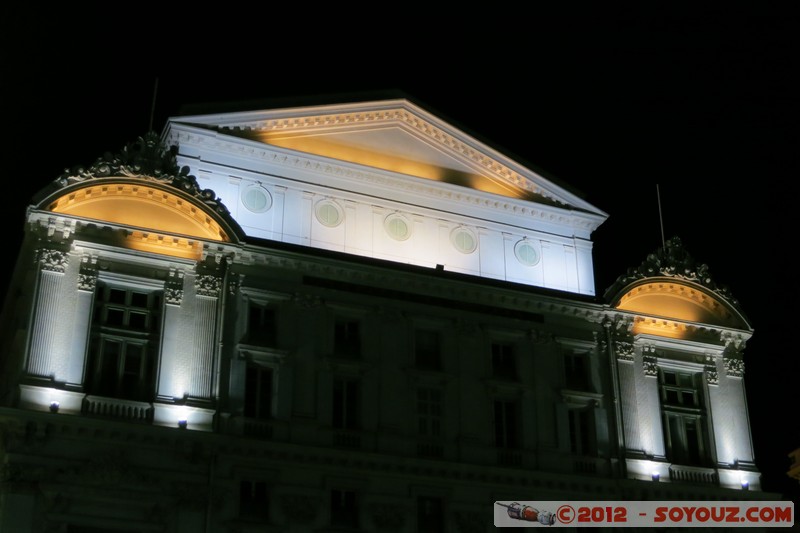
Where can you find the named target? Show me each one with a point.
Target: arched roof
(142, 187)
(669, 285)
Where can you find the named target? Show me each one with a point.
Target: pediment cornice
(186, 135)
(393, 114)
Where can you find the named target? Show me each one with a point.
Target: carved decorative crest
(672, 261)
(148, 159)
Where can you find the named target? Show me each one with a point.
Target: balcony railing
(694, 474)
(116, 408)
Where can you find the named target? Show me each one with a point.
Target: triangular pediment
(396, 136)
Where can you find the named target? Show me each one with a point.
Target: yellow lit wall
(328, 148)
(142, 207)
(668, 301)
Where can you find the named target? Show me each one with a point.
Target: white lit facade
(347, 318)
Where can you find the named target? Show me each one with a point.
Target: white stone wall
(564, 260)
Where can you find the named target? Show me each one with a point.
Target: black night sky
(698, 103)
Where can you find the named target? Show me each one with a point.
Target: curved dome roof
(670, 286)
(142, 187)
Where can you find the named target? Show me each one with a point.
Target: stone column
(47, 342)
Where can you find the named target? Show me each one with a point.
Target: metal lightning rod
(153, 105)
(660, 218)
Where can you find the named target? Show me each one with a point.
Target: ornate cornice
(403, 118)
(269, 154)
(424, 285)
(672, 261)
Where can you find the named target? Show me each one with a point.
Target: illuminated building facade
(350, 317)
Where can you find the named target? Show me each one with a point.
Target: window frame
(679, 447)
(103, 334)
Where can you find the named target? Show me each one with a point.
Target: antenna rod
(153, 106)
(660, 218)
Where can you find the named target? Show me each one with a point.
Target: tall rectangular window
(261, 324)
(346, 403)
(253, 500)
(684, 417)
(258, 391)
(344, 509)
(576, 371)
(125, 332)
(506, 424)
(504, 365)
(429, 412)
(428, 349)
(347, 339)
(581, 432)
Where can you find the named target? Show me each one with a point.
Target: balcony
(693, 474)
(115, 408)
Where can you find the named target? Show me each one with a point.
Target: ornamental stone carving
(649, 362)
(235, 283)
(208, 286)
(734, 367)
(53, 260)
(173, 296)
(173, 290)
(87, 278)
(733, 341)
(710, 371)
(624, 350)
(672, 261)
(146, 158)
